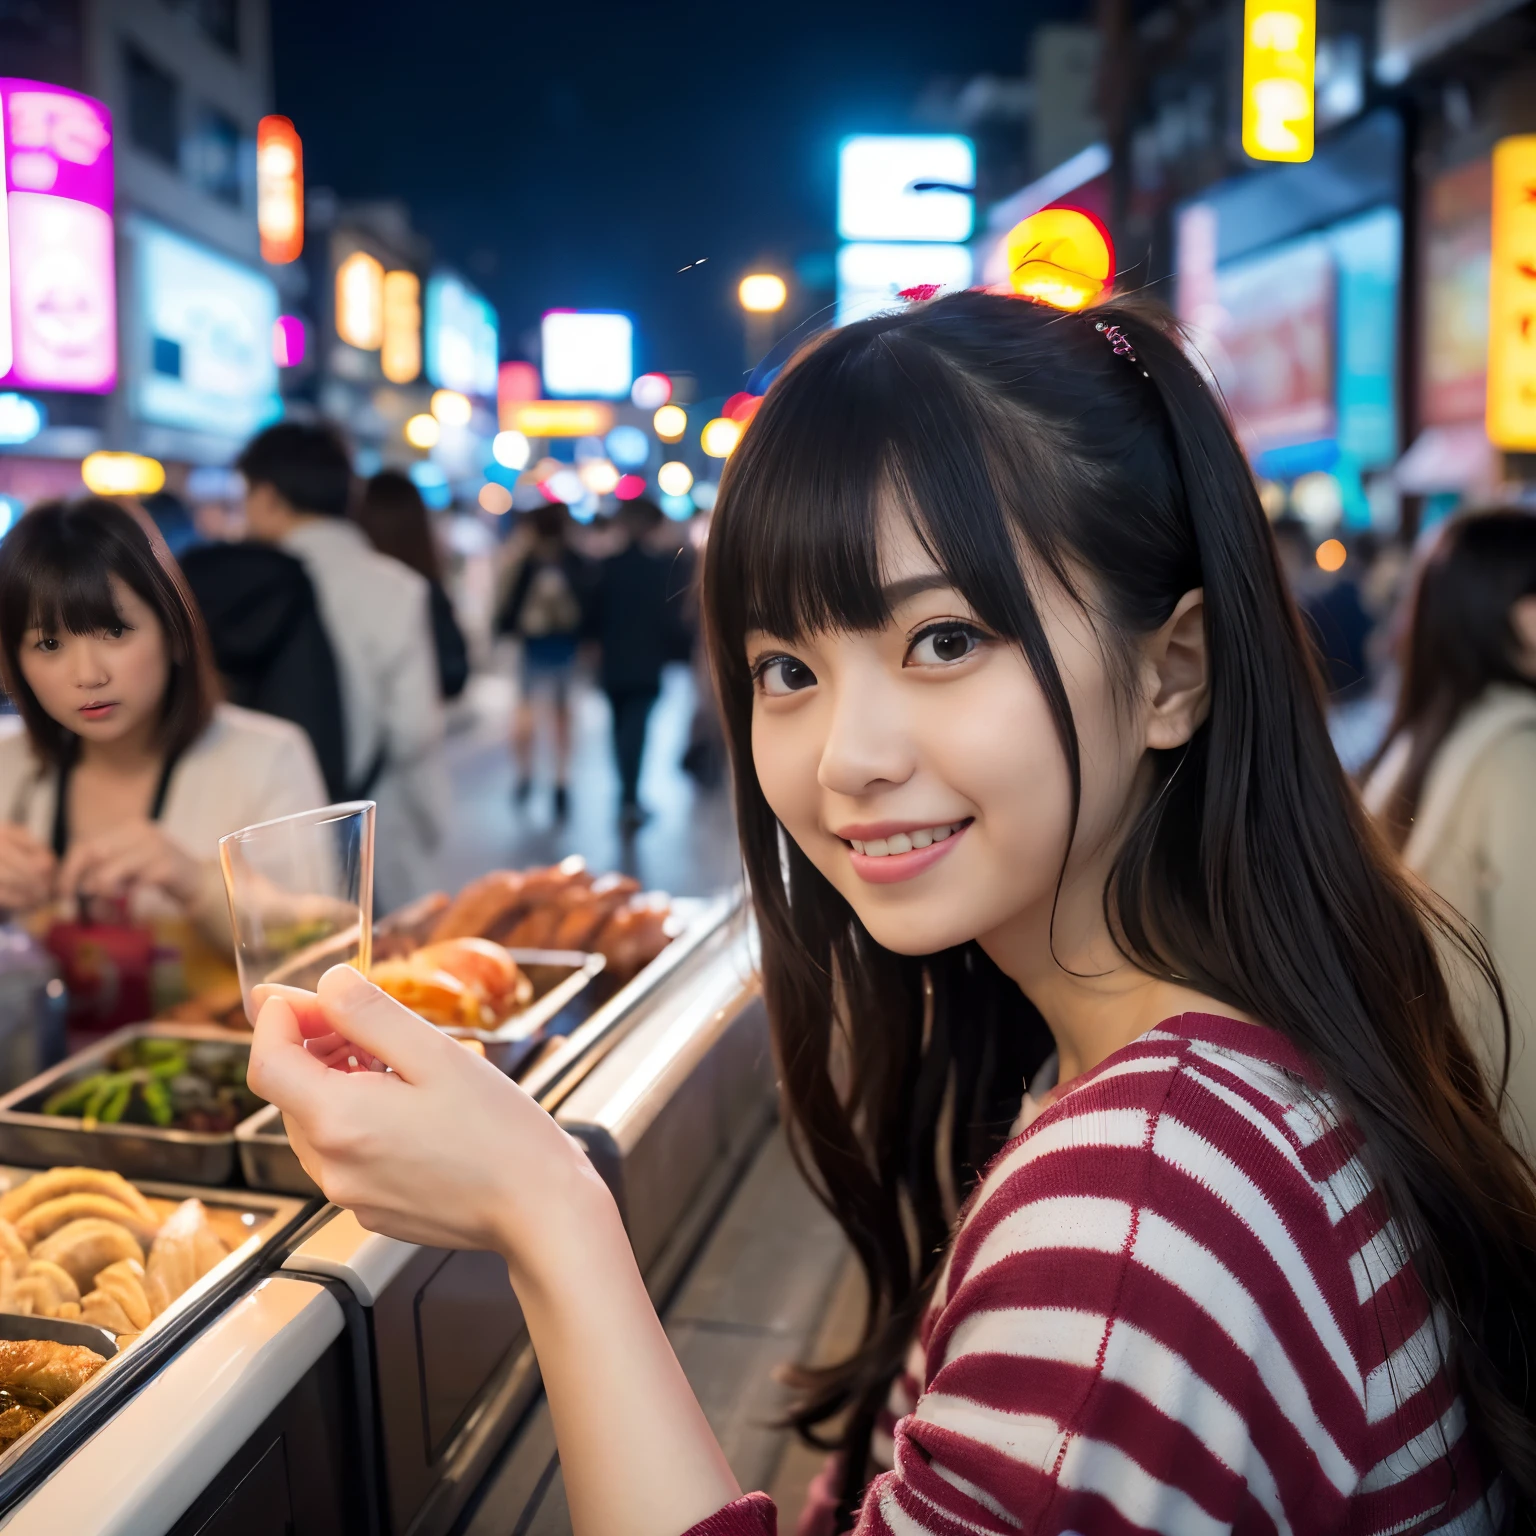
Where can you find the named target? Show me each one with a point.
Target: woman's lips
(98, 711)
(889, 868)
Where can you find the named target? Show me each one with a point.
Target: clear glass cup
(300, 895)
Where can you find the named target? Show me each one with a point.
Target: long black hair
(1251, 874)
(56, 567)
(1459, 640)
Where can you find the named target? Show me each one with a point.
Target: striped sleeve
(1177, 1304)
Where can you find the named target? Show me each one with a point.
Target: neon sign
(58, 324)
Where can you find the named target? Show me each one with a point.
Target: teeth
(902, 842)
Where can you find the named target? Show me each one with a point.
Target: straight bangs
(864, 423)
(69, 590)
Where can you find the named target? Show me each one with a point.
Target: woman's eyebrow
(896, 593)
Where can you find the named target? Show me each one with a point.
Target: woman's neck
(1093, 1000)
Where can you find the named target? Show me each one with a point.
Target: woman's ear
(1176, 666)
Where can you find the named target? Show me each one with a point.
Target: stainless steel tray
(267, 1158)
(37, 1140)
(66, 1421)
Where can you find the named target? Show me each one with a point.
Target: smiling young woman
(1107, 1029)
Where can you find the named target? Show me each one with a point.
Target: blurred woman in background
(1454, 785)
(127, 770)
(394, 517)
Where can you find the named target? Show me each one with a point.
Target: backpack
(270, 645)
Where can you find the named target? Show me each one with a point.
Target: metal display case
(355, 1383)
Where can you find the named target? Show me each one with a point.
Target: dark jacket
(448, 642)
(637, 614)
(270, 645)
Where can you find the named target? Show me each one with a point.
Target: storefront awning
(1452, 458)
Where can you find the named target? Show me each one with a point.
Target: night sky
(577, 154)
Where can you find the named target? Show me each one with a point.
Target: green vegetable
(106, 1084)
(72, 1098)
(157, 1100)
(117, 1103)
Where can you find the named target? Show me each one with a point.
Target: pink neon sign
(58, 326)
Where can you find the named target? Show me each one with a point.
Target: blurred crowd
(173, 680)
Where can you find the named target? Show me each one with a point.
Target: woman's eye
(47, 643)
(116, 631)
(943, 644)
(780, 675)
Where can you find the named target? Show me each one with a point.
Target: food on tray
(562, 907)
(84, 1248)
(36, 1375)
(38, 1288)
(470, 982)
(186, 1249)
(120, 1301)
(57, 1182)
(183, 1085)
(45, 1219)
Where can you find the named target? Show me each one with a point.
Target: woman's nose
(91, 669)
(867, 743)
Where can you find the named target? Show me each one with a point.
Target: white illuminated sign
(588, 353)
(902, 187)
(870, 276)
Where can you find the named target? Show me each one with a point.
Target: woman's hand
(445, 1150)
(134, 854)
(27, 870)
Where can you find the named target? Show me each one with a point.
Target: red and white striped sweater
(1176, 1303)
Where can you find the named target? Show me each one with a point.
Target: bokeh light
(628, 446)
(720, 436)
(422, 431)
(629, 487)
(1061, 257)
(1331, 555)
(288, 341)
(565, 485)
(510, 450)
(704, 493)
(495, 499)
(678, 508)
(674, 478)
(651, 390)
(670, 422)
(122, 474)
(451, 408)
(762, 293)
(599, 476)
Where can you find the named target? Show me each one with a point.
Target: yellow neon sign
(1279, 60)
(400, 355)
(558, 418)
(360, 301)
(1512, 297)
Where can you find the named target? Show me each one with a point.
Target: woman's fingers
(369, 1017)
(281, 1071)
(320, 1036)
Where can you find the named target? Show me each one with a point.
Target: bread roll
(45, 1219)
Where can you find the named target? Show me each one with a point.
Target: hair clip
(1120, 342)
(919, 293)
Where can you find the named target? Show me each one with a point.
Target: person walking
(543, 611)
(393, 515)
(1454, 785)
(636, 616)
(376, 614)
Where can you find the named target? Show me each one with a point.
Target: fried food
(438, 996)
(585, 915)
(58, 1182)
(16, 1420)
(634, 935)
(186, 1249)
(85, 1247)
(481, 907)
(43, 1220)
(43, 1372)
(484, 967)
(121, 1301)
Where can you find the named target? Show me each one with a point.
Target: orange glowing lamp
(1060, 256)
(1512, 297)
(279, 190)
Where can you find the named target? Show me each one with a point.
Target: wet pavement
(688, 847)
